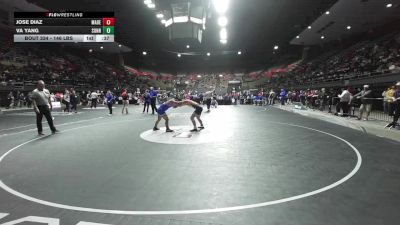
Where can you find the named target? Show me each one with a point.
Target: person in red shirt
(125, 101)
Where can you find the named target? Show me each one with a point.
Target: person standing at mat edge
(93, 97)
(74, 100)
(67, 101)
(147, 101)
(208, 95)
(41, 101)
(109, 100)
(125, 101)
(153, 99)
(366, 101)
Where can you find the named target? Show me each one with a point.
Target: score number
(108, 21)
(108, 30)
(105, 38)
(108, 25)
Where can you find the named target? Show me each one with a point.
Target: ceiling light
(221, 75)
(163, 21)
(297, 37)
(208, 54)
(187, 46)
(239, 52)
(221, 6)
(160, 15)
(179, 55)
(222, 21)
(389, 5)
(90, 50)
(151, 5)
(276, 47)
(144, 53)
(309, 27)
(223, 41)
(327, 12)
(101, 47)
(322, 37)
(199, 76)
(348, 27)
(223, 34)
(147, 2)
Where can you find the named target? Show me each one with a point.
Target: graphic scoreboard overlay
(64, 26)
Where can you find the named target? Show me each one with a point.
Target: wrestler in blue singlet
(162, 109)
(163, 115)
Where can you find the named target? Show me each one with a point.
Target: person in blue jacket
(162, 113)
(283, 96)
(109, 99)
(153, 98)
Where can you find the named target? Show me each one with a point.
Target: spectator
(396, 102)
(385, 102)
(302, 97)
(322, 99)
(67, 101)
(366, 101)
(388, 98)
(74, 100)
(28, 100)
(16, 99)
(21, 98)
(84, 98)
(10, 100)
(330, 97)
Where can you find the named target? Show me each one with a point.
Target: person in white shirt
(271, 97)
(345, 98)
(66, 101)
(93, 97)
(207, 96)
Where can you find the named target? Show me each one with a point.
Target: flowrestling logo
(64, 15)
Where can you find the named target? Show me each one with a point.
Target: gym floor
(250, 165)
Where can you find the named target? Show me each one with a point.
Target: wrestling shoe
(169, 130)
(201, 127)
(155, 128)
(194, 130)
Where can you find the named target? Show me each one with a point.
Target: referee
(153, 99)
(41, 101)
(208, 95)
